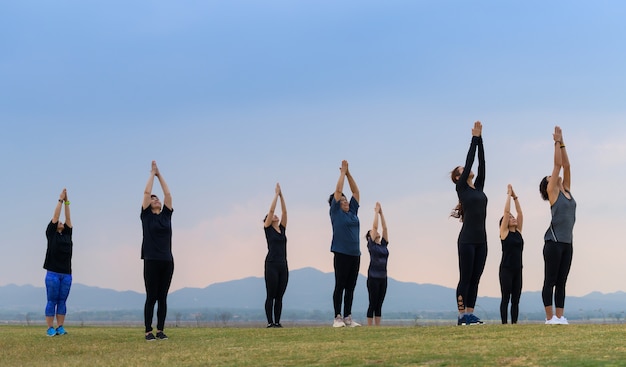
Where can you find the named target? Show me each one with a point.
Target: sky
(231, 97)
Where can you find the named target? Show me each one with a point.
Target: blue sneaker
(61, 330)
(51, 331)
(463, 320)
(473, 320)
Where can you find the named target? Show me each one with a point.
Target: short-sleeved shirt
(512, 247)
(345, 228)
(276, 244)
(157, 234)
(378, 258)
(59, 251)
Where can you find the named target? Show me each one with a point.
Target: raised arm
(342, 177)
(471, 154)
(375, 223)
(167, 195)
(383, 223)
(283, 207)
(57, 209)
(270, 213)
(68, 218)
(518, 211)
(566, 166)
(504, 225)
(147, 192)
(480, 179)
(353, 187)
(553, 187)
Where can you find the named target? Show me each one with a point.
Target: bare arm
(270, 213)
(518, 211)
(147, 192)
(167, 195)
(57, 209)
(353, 187)
(68, 219)
(384, 224)
(566, 166)
(553, 187)
(342, 176)
(375, 223)
(504, 226)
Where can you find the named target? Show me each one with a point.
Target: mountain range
(308, 290)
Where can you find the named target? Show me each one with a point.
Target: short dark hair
(543, 188)
(330, 198)
(455, 175)
(368, 235)
(154, 196)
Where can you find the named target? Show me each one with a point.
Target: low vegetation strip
(486, 345)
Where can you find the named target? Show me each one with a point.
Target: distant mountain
(308, 290)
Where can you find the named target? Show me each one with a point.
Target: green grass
(486, 345)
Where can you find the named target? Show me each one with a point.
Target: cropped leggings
(157, 276)
(57, 290)
(346, 274)
(472, 259)
(276, 278)
(557, 258)
(376, 288)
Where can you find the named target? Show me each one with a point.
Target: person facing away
(557, 248)
(345, 246)
(276, 270)
(377, 271)
(472, 241)
(156, 252)
(58, 265)
(511, 262)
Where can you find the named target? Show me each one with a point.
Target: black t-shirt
(276, 244)
(512, 247)
(157, 234)
(474, 201)
(59, 252)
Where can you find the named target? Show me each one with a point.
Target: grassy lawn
(486, 345)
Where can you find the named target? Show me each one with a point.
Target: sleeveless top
(563, 218)
(512, 247)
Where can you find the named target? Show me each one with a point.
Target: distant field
(486, 345)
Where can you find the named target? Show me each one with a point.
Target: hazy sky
(230, 97)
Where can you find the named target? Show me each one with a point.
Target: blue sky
(231, 97)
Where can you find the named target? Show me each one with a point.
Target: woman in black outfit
(156, 252)
(472, 241)
(276, 271)
(377, 271)
(511, 263)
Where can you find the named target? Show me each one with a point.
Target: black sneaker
(278, 325)
(161, 336)
(150, 337)
(270, 325)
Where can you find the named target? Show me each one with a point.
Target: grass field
(486, 345)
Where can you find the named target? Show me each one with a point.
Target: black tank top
(512, 247)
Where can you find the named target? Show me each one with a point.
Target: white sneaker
(338, 322)
(553, 321)
(562, 321)
(349, 322)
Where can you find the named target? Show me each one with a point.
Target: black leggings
(376, 288)
(557, 257)
(511, 289)
(276, 278)
(346, 274)
(472, 258)
(157, 277)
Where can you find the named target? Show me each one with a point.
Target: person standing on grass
(511, 263)
(156, 252)
(472, 241)
(557, 249)
(377, 272)
(276, 270)
(345, 246)
(58, 264)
